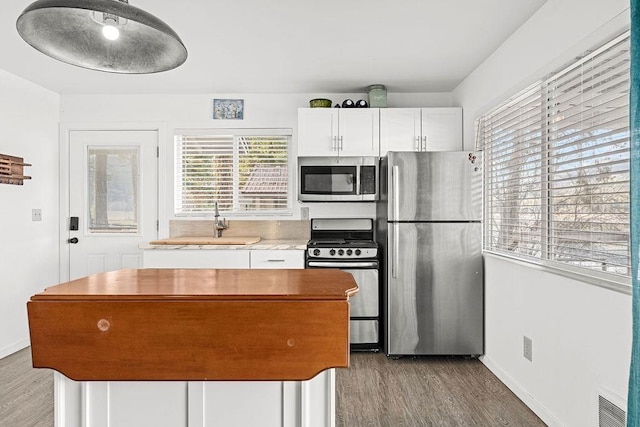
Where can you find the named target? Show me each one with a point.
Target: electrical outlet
(36, 214)
(528, 348)
(304, 213)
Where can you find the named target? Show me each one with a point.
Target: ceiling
(295, 46)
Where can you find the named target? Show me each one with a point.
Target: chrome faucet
(218, 225)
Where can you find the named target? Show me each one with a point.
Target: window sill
(622, 286)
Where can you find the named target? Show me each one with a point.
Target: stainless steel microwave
(338, 179)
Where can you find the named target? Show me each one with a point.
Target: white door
(113, 193)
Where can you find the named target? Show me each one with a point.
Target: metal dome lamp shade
(103, 35)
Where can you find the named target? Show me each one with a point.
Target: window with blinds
(245, 172)
(556, 166)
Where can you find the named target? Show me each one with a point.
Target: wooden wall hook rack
(12, 170)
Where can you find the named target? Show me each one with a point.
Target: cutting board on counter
(207, 240)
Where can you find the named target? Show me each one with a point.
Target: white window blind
(556, 166)
(246, 173)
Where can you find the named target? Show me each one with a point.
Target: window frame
(235, 134)
(616, 281)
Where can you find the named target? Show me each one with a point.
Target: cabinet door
(359, 131)
(317, 132)
(399, 129)
(442, 129)
(195, 258)
(293, 258)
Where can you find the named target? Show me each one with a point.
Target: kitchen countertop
(193, 325)
(261, 245)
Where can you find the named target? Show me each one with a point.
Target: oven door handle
(356, 264)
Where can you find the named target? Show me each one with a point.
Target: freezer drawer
(434, 289)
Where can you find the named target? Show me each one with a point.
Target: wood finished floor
(425, 391)
(375, 391)
(26, 394)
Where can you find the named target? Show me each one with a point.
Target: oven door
(329, 183)
(364, 305)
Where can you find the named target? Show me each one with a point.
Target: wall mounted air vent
(610, 414)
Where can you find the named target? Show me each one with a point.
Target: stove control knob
(349, 251)
(332, 252)
(316, 252)
(340, 252)
(358, 251)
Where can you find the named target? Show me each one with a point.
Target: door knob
(73, 240)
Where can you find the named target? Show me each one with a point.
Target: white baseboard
(12, 348)
(540, 410)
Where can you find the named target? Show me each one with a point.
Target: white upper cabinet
(317, 132)
(420, 129)
(338, 132)
(442, 129)
(400, 129)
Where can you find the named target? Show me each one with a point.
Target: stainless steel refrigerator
(429, 223)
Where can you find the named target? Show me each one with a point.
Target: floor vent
(609, 414)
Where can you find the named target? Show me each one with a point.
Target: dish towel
(633, 399)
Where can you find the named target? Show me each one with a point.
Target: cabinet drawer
(277, 259)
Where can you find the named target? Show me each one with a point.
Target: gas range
(347, 244)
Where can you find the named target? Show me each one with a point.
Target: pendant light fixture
(103, 35)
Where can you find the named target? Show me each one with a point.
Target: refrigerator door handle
(396, 192)
(395, 241)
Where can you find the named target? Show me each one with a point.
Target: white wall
(29, 250)
(553, 36)
(195, 112)
(581, 333)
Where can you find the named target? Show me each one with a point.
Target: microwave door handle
(358, 189)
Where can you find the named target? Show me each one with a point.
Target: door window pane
(112, 190)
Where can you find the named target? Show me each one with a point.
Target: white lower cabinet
(195, 258)
(277, 258)
(196, 403)
(221, 258)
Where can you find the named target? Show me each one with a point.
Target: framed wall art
(228, 109)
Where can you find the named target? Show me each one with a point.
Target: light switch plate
(304, 213)
(36, 214)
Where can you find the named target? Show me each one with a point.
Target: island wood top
(205, 284)
(194, 325)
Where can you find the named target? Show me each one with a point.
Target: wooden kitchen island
(196, 348)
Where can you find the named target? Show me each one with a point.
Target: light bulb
(110, 30)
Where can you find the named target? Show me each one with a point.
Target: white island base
(196, 403)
